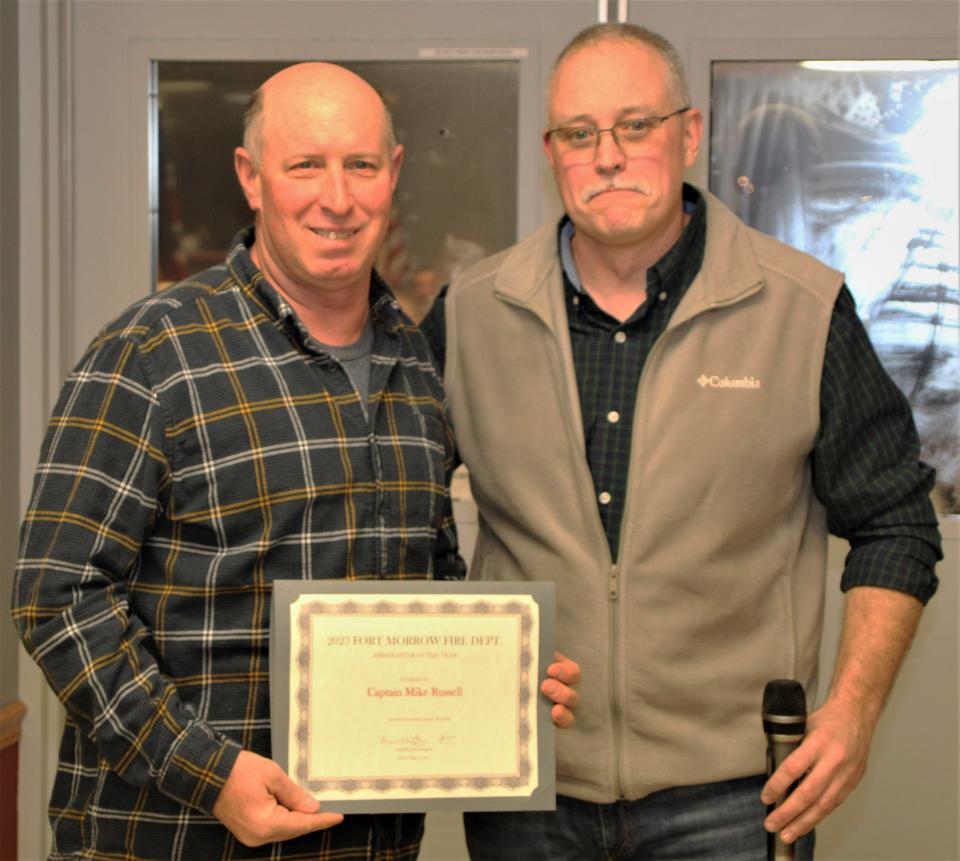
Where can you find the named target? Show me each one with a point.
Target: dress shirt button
(620, 337)
(613, 417)
(663, 296)
(604, 498)
(576, 300)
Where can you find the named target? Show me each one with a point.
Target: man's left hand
(833, 756)
(562, 675)
(878, 625)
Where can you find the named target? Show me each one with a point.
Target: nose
(334, 193)
(609, 157)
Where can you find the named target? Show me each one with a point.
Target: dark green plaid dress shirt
(865, 462)
(203, 447)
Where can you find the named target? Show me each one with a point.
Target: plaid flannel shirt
(203, 447)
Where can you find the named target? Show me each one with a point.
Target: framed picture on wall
(855, 162)
(456, 113)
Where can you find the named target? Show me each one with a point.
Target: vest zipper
(614, 594)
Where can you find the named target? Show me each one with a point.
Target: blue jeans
(713, 820)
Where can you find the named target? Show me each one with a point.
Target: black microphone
(784, 722)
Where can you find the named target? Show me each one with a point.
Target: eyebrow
(368, 155)
(642, 110)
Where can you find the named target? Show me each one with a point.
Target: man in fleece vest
(666, 413)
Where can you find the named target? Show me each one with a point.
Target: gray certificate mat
(403, 696)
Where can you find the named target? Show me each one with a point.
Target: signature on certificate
(416, 740)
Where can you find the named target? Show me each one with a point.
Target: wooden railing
(11, 718)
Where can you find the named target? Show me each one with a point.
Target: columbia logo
(717, 382)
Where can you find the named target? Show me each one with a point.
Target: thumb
(292, 796)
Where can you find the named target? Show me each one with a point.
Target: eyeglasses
(627, 134)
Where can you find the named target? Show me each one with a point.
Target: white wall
(9, 332)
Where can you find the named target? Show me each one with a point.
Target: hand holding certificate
(402, 696)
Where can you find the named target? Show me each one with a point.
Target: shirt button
(620, 337)
(613, 417)
(576, 300)
(604, 498)
(663, 296)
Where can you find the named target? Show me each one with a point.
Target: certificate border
(286, 592)
(523, 774)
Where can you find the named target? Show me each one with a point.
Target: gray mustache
(590, 193)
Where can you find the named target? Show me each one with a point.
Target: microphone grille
(784, 697)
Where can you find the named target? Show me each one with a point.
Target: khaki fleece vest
(719, 585)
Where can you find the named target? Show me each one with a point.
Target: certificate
(398, 696)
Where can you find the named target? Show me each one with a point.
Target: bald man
(276, 416)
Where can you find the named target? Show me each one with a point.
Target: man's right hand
(260, 804)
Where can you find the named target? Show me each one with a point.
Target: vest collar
(531, 277)
(531, 273)
(730, 270)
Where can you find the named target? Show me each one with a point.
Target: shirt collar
(384, 309)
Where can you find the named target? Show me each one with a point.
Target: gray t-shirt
(355, 359)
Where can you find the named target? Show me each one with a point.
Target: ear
(249, 177)
(547, 149)
(692, 132)
(396, 162)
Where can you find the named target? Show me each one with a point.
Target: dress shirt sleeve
(434, 329)
(866, 466)
(447, 562)
(99, 486)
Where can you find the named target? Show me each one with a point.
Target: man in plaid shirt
(273, 417)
